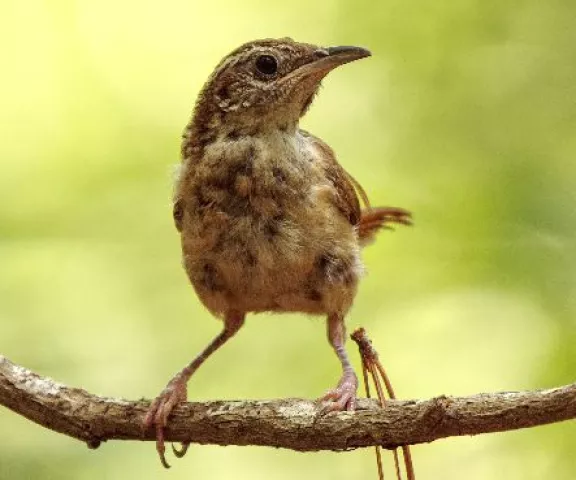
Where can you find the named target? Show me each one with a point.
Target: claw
(158, 413)
(179, 453)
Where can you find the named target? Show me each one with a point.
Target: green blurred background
(466, 114)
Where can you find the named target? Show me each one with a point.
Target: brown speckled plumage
(269, 220)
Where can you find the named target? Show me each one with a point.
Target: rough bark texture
(289, 423)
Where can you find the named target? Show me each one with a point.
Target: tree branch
(289, 423)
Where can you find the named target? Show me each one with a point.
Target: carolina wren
(269, 220)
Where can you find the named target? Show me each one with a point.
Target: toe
(151, 414)
(161, 415)
(339, 400)
(157, 417)
(351, 404)
(330, 395)
(343, 397)
(160, 445)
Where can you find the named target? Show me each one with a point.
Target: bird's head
(268, 83)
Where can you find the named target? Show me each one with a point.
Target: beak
(342, 55)
(326, 59)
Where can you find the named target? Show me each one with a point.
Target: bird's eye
(267, 64)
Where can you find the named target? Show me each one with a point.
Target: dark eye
(267, 64)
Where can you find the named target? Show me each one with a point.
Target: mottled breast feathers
(349, 193)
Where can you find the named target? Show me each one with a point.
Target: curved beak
(326, 59)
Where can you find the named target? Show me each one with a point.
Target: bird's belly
(261, 255)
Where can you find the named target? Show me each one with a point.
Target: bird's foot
(343, 397)
(159, 411)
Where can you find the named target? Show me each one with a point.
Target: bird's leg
(343, 397)
(175, 391)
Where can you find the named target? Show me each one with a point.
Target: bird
(269, 220)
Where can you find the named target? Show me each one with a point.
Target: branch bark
(289, 423)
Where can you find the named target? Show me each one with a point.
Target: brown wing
(346, 187)
(369, 220)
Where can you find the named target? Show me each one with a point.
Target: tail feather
(377, 218)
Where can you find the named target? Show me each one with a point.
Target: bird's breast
(258, 223)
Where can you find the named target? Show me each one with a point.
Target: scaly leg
(175, 391)
(343, 397)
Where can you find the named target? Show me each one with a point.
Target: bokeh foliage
(465, 114)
